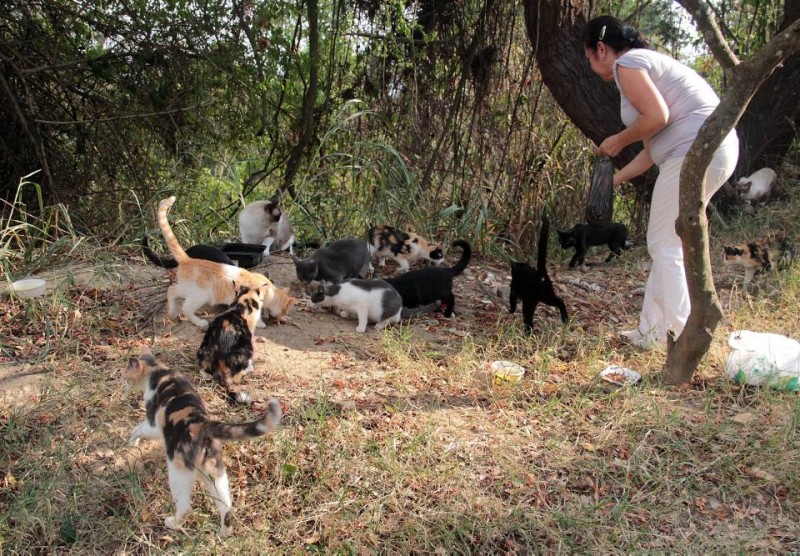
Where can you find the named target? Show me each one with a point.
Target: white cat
(758, 184)
(372, 300)
(264, 223)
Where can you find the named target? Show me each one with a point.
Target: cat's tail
(406, 313)
(172, 242)
(544, 232)
(240, 431)
(156, 259)
(466, 254)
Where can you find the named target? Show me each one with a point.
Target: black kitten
(583, 236)
(533, 285)
(428, 285)
(342, 259)
(200, 251)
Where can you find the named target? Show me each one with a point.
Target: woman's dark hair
(613, 33)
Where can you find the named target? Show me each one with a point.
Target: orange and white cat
(200, 282)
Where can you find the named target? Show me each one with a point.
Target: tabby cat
(201, 282)
(402, 247)
(227, 347)
(176, 414)
(533, 285)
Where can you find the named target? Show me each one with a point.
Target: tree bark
(685, 354)
(554, 29)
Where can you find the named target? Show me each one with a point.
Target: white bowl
(30, 287)
(506, 372)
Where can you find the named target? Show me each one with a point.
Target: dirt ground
(313, 348)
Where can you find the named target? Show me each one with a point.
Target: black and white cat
(426, 285)
(264, 223)
(199, 251)
(342, 259)
(371, 300)
(533, 285)
(583, 236)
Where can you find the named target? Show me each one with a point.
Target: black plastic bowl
(247, 255)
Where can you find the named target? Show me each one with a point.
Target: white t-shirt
(690, 100)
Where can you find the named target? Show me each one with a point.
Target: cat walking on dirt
(226, 352)
(176, 415)
(200, 282)
(533, 285)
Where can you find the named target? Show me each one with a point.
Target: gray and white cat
(371, 300)
(342, 259)
(264, 223)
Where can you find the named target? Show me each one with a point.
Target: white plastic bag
(764, 359)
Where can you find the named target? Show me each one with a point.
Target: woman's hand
(610, 147)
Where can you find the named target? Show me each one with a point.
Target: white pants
(666, 296)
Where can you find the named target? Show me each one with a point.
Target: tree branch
(712, 34)
(706, 313)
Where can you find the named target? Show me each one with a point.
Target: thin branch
(707, 23)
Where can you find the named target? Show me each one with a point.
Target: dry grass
(398, 443)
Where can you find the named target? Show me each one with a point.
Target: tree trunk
(554, 29)
(685, 354)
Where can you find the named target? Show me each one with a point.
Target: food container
(246, 255)
(506, 372)
(30, 287)
(620, 376)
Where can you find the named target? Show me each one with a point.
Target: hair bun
(628, 33)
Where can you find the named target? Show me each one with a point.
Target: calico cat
(227, 347)
(776, 253)
(402, 247)
(372, 300)
(264, 223)
(583, 236)
(200, 251)
(201, 282)
(176, 414)
(342, 259)
(426, 285)
(758, 185)
(533, 285)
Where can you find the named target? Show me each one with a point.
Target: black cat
(583, 236)
(428, 285)
(533, 285)
(200, 251)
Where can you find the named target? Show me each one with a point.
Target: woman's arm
(636, 167)
(643, 95)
